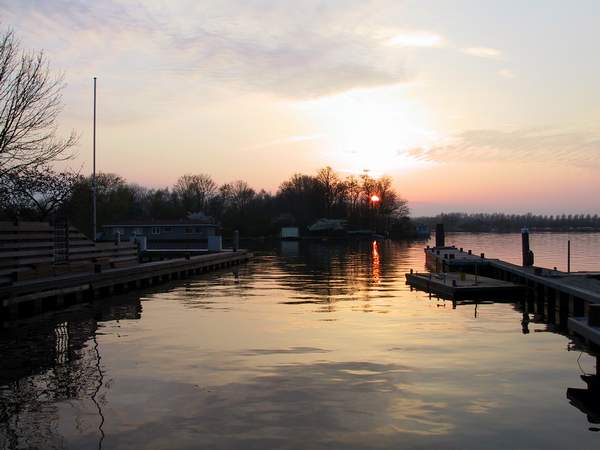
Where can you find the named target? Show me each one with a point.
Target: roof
(154, 223)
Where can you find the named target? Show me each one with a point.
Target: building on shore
(163, 233)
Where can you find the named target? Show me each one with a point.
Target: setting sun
(370, 129)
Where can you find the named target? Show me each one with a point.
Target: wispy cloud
(315, 51)
(576, 148)
(483, 52)
(506, 73)
(416, 39)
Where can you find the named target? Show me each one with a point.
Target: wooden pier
(41, 294)
(462, 286)
(36, 277)
(551, 294)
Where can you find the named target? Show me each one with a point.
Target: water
(308, 346)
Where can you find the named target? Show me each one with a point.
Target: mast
(94, 171)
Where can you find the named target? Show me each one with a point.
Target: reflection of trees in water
(325, 272)
(49, 361)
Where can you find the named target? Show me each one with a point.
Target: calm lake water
(308, 346)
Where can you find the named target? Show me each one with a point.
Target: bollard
(470, 252)
(526, 251)
(482, 255)
(440, 236)
(236, 240)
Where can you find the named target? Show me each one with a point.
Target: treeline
(299, 201)
(32, 189)
(500, 222)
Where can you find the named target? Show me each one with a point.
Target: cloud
(506, 73)
(575, 148)
(483, 52)
(315, 50)
(416, 39)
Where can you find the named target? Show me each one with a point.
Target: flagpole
(94, 171)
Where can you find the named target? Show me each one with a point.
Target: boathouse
(163, 234)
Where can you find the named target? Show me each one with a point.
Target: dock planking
(458, 286)
(583, 285)
(562, 298)
(30, 297)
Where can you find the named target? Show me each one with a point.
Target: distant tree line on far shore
(300, 201)
(501, 222)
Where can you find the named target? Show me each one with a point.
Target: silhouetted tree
(30, 101)
(35, 193)
(195, 191)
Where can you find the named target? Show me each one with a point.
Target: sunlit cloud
(314, 52)
(540, 145)
(506, 73)
(416, 39)
(483, 52)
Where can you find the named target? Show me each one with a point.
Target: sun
(370, 130)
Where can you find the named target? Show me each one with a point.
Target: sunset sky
(468, 105)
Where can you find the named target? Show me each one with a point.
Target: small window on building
(167, 229)
(155, 230)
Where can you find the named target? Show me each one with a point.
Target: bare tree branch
(30, 102)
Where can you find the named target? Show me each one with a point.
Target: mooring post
(236, 240)
(440, 236)
(526, 251)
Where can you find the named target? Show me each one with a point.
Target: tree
(195, 191)
(30, 102)
(37, 192)
(353, 191)
(331, 188)
(236, 195)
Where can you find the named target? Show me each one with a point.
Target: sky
(469, 105)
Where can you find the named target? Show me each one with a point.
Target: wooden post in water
(527, 253)
(440, 235)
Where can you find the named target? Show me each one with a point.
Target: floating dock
(458, 286)
(565, 299)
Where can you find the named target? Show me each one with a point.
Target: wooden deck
(37, 295)
(560, 297)
(463, 286)
(584, 285)
(580, 326)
